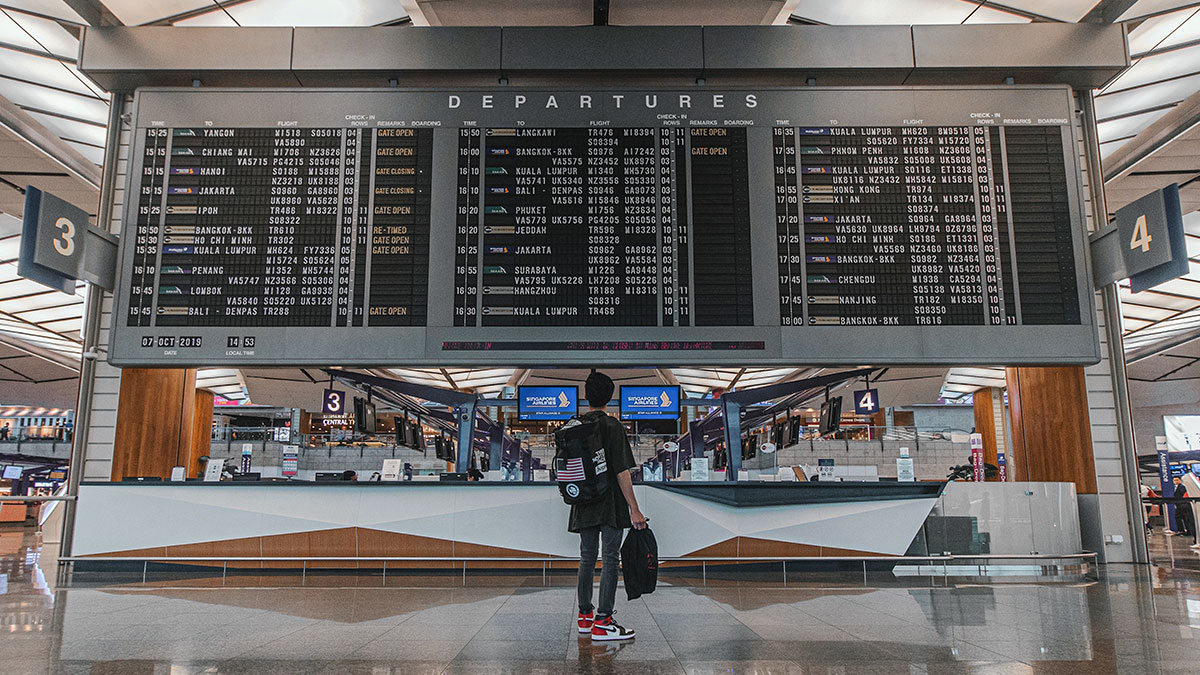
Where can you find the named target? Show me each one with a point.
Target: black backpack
(580, 466)
(639, 563)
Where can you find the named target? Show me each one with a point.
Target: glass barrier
(990, 518)
(858, 453)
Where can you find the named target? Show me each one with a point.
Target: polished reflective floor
(1121, 620)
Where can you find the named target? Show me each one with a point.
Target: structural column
(162, 422)
(1051, 427)
(992, 424)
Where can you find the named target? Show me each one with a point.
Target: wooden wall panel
(1051, 427)
(154, 423)
(201, 439)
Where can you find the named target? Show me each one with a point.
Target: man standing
(1183, 512)
(601, 523)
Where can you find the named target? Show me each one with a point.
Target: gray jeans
(589, 547)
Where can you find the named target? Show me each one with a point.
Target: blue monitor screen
(547, 403)
(650, 403)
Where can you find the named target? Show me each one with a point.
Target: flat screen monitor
(248, 477)
(364, 416)
(328, 476)
(13, 472)
(547, 403)
(650, 403)
(831, 416)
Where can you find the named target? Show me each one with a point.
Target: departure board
(368, 227)
(282, 227)
(588, 227)
(893, 226)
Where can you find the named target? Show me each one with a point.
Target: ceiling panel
(506, 12)
(302, 13)
(1149, 33)
(1143, 98)
(57, 9)
(136, 12)
(43, 70)
(1147, 7)
(1063, 10)
(28, 95)
(38, 34)
(1177, 63)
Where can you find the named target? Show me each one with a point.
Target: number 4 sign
(866, 401)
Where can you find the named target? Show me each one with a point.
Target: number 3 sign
(334, 402)
(58, 247)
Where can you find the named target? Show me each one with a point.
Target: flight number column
(146, 229)
(943, 238)
(630, 188)
(787, 226)
(301, 244)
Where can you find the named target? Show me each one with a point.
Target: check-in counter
(448, 522)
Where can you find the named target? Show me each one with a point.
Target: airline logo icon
(563, 401)
(666, 400)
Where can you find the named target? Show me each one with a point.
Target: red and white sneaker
(585, 622)
(607, 629)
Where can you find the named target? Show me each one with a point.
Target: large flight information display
(901, 225)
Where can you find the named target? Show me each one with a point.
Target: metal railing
(945, 561)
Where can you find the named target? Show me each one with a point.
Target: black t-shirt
(613, 509)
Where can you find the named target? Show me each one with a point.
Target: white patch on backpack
(572, 490)
(600, 462)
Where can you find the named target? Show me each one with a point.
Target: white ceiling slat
(31, 32)
(56, 9)
(301, 13)
(1143, 8)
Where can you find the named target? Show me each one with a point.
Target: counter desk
(487, 519)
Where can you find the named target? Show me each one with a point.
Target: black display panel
(282, 227)
(825, 226)
(582, 227)
(895, 226)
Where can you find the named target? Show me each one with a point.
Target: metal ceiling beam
(1107, 11)
(20, 123)
(94, 12)
(667, 376)
(417, 14)
(1179, 121)
(50, 355)
(783, 15)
